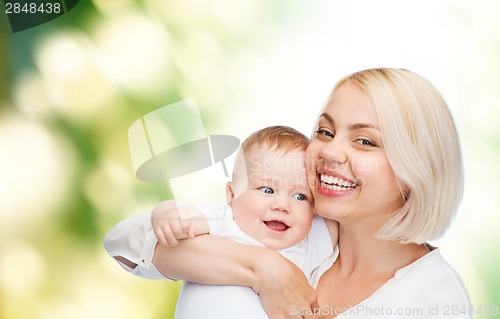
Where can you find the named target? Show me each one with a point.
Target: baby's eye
(266, 190)
(300, 197)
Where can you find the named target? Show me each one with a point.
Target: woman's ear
(229, 192)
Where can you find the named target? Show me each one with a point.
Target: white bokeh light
(136, 52)
(74, 84)
(36, 170)
(22, 270)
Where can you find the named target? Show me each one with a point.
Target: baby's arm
(174, 220)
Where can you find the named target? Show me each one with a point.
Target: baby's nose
(281, 203)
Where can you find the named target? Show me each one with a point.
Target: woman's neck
(361, 252)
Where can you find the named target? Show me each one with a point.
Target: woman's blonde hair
(423, 149)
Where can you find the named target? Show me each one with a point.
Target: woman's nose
(335, 151)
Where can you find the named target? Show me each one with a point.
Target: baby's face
(273, 204)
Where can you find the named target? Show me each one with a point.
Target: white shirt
(134, 240)
(307, 254)
(427, 288)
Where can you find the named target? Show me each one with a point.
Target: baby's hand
(173, 221)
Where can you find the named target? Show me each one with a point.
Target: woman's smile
(333, 184)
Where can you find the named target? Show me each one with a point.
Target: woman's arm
(207, 259)
(212, 260)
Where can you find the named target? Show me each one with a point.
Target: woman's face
(348, 171)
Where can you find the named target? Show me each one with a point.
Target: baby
(268, 204)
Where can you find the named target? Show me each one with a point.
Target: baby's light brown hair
(276, 137)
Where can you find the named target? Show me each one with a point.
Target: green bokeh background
(69, 90)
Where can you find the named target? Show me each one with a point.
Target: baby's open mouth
(276, 225)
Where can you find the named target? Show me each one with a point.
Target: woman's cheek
(311, 166)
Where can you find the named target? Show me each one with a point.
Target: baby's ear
(229, 192)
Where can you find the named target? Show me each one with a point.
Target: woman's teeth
(336, 183)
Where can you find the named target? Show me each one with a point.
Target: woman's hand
(282, 287)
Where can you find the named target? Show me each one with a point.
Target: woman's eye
(326, 133)
(300, 197)
(266, 190)
(365, 142)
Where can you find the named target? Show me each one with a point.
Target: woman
(385, 162)
(390, 133)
